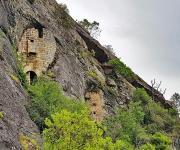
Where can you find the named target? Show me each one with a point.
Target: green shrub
(92, 27)
(20, 71)
(76, 131)
(126, 125)
(140, 122)
(140, 95)
(86, 53)
(28, 143)
(122, 69)
(1, 115)
(46, 98)
(22, 76)
(93, 74)
(147, 147)
(161, 141)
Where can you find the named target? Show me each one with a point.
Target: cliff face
(79, 65)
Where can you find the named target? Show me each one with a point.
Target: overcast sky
(144, 33)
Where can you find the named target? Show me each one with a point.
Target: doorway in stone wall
(31, 76)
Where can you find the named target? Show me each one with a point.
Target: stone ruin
(36, 49)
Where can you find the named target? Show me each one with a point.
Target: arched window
(31, 76)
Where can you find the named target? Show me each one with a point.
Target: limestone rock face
(51, 41)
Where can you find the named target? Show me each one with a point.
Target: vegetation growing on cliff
(142, 122)
(92, 27)
(62, 16)
(122, 69)
(144, 125)
(47, 98)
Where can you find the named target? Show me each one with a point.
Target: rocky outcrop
(79, 66)
(15, 120)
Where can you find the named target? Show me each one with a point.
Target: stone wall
(37, 49)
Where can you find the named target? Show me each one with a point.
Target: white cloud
(145, 34)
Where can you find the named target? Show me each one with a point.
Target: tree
(109, 48)
(157, 87)
(92, 27)
(76, 131)
(161, 141)
(126, 125)
(176, 100)
(46, 98)
(145, 123)
(147, 147)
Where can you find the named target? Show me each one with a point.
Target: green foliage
(140, 95)
(47, 98)
(20, 71)
(156, 118)
(147, 147)
(22, 75)
(122, 69)
(161, 141)
(28, 143)
(14, 77)
(176, 100)
(1, 115)
(92, 27)
(74, 131)
(144, 122)
(126, 125)
(51, 74)
(93, 74)
(86, 54)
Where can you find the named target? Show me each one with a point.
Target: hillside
(50, 42)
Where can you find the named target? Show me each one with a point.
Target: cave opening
(39, 27)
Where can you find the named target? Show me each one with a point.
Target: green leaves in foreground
(46, 98)
(76, 131)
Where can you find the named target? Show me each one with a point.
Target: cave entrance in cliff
(31, 76)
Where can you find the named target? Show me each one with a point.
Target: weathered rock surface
(15, 121)
(79, 65)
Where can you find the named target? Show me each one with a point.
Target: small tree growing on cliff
(176, 100)
(156, 86)
(110, 48)
(92, 27)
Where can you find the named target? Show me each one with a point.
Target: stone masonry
(37, 49)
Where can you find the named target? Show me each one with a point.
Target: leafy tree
(74, 131)
(47, 98)
(126, 125)
(161, 141)
(92, 27)
(143, 123)
(176, 100)
(147, 147)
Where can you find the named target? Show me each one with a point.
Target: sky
(145, 34)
